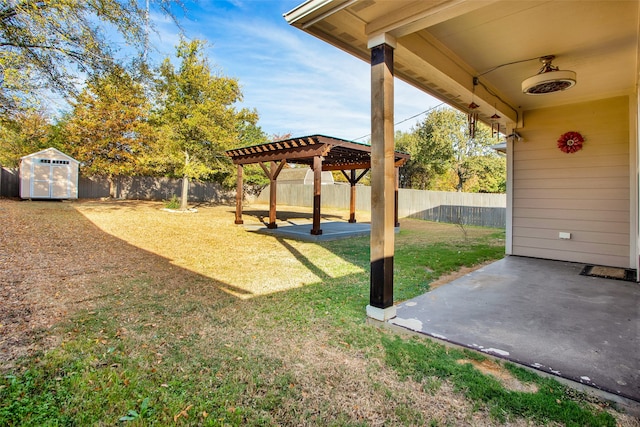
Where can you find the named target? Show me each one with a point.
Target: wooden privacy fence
(9, 182)
(487, 210)
(154, 188)
(135, 188)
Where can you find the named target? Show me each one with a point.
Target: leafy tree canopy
(48, 44)
(444, 157)
(197, 115)
(108, 130)
(25, 133)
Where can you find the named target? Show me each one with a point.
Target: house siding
(584, 193)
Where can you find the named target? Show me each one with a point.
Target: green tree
(424, 166)
(489, 174)
(24, 133)
(441, 144)
(46, 44)
(198, 118)
(254, 178)
(108, 129)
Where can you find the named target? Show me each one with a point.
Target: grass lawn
(121, 313)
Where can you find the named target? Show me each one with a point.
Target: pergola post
(272, 174)
(239, 194)
(317, 189)
(273, 191)
(353, 181)
(352, 198)
(382, 179)
(396, 220)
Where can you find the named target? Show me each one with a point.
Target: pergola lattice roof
(338, 154)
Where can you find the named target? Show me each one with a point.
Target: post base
(381, 314)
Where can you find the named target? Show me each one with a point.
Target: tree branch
(11, 12)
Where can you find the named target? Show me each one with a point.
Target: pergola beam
(275, 155)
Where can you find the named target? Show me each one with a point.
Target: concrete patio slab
(301, 230)
(542, 314)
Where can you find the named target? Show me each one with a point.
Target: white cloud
(297, 83)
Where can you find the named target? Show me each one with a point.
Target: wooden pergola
(320, 153)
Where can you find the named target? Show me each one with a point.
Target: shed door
(51, 179)
(41, 178)
(60, 179)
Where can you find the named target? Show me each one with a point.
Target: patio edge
(623, 404)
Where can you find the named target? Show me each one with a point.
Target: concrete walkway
(542, 314)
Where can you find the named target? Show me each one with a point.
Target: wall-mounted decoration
(570, 142)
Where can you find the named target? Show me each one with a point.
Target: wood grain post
(239, 193)
(352, 198)
(396, 220)
(272, 196)
(382, 181)
(317, 189)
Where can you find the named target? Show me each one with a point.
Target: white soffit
(442, 44)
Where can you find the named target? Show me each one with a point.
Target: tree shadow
(69, 264)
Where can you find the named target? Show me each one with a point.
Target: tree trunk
(185, 185)
(185, 193)
(114, 186)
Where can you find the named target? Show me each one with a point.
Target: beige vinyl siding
(584, 193)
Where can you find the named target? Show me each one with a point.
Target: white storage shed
(48, 174)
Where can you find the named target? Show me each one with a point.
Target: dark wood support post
(397, 186)
(382, 179)
(352, 198)
(317, 189)
(239, 194)
(272, 174)
(273, 191)
(353, 180)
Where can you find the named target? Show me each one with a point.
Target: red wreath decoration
(570, 142)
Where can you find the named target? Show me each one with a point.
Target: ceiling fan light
(549, 82)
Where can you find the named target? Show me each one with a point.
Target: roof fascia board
(421, 15)
(313, 11)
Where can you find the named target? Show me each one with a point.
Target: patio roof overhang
(336, 153)
(441, 45)
(467, 52)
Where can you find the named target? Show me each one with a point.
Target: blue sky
(297, 83)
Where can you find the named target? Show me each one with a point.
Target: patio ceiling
(443, 44)
(337, 154)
